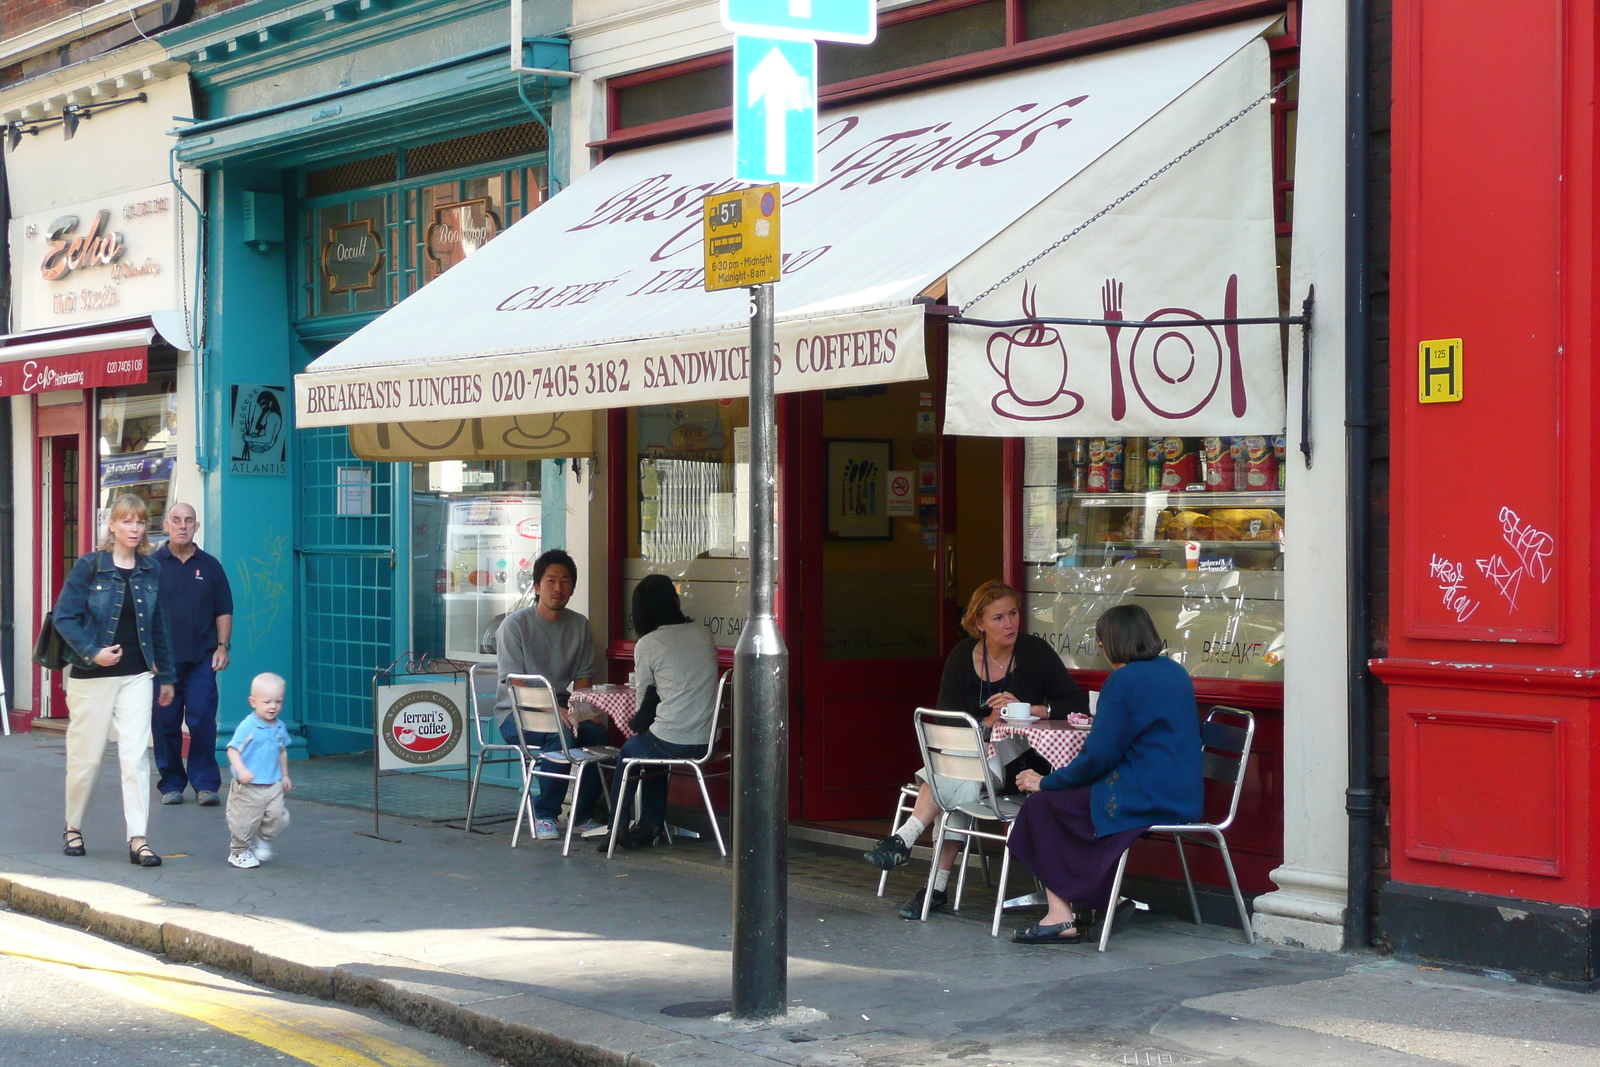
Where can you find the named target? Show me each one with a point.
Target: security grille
(505, 143)
(357, 174)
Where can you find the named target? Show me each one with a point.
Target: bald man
(199, 607)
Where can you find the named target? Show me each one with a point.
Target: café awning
(596, 300)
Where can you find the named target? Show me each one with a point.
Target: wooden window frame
(1017, 53)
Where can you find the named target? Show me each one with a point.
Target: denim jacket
(90, 604)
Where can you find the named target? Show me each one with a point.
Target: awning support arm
(1303, 320)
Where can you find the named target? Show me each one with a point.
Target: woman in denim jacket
(110, 617)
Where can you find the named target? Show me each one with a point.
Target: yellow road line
(286, 1029)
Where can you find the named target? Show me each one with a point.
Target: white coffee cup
(1017, 710)
(633, 679)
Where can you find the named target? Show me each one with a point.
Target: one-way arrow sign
(850, 21)
(775, 110)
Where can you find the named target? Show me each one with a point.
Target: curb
(498, 1018)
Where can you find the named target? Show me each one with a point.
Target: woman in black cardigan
(996, 666)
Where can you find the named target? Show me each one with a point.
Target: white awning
(596, 300)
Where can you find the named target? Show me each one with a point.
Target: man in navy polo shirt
(199, 607)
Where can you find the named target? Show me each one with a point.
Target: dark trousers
(194, 702)
(553, 791)
(653, 787)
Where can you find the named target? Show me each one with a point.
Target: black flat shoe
(888, 854)
(1052, 934)
(637, 837)
(912, 909)
(143, 856)
(72, 843)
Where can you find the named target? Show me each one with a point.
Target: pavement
(543, 960)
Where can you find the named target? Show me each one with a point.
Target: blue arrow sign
(850, 21)
(774, 110)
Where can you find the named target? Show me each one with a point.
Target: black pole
(761, 721)
(1359, 796)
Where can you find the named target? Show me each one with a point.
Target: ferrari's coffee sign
(422, 724)
(112, 258)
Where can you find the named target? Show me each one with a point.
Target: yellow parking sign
(741, 238)
(1439, 374)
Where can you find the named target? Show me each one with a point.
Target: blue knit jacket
(1142, 757)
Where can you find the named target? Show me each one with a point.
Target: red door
(63, 535)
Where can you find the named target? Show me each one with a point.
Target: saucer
(1021, 720)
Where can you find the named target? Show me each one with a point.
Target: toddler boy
(259, 757)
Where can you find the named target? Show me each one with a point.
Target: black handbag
(49, 650)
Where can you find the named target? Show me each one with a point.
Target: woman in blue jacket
(110, 616)
(1140, 767)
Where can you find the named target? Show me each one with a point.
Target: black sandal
(1051, 934)
(143, 856)
(72, 843)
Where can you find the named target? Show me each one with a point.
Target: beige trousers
(255, 811)
(97, 707)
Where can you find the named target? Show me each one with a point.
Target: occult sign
(458, 230)
(352, 258)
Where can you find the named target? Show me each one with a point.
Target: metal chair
(906, 802)
(953, 751)
(533, 702)
(1224, 754)
(696, 764)
(487, 743)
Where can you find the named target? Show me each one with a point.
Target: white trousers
(97, 707)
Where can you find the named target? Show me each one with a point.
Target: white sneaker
(262, 850)
(546, 830)
(245, 860)
(591, 828)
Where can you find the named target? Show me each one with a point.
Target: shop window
(449, 221)
(1192, 528)
(475, 534)
(1046, 18)
(350, 256)
(962, 31)
(689, 506)
(138, 442)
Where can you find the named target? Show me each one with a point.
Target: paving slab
(544, 959)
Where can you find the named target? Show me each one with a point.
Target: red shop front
(1493, 658)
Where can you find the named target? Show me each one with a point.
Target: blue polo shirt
(258, 743)
(193, 594)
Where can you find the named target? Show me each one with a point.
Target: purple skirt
(1055, 837)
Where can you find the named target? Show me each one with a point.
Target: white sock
(941, 878)
(911, 829)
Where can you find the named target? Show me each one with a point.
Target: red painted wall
(1493, 668)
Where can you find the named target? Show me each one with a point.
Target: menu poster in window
(258, 439)
(684, 431)
(858, 489)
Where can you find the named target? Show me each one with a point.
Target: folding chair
(953, 751)
(533, 702)
(696, 764)
(1224, 754)
(477, 676)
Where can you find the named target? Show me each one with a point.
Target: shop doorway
(60, 463)
(881, 593)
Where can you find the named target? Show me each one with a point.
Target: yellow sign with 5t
(741, 238)
(1439, 371)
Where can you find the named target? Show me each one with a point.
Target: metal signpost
(419, 721)
(774, 140)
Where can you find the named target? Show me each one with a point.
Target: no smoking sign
(901, 494)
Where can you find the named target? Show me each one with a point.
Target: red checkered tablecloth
(1055, 739)
(619, 702)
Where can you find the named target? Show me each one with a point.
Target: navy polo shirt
(193, 594)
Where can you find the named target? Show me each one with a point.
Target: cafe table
(618, 702)
(1057, 740)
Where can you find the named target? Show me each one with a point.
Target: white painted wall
(24, 490)
(1308, 908)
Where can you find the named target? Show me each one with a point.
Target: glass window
(1190, 527)
(974, 28)
(138, 442)
(673, 97)
(475, 533)
(688, 508)
(1044, 18)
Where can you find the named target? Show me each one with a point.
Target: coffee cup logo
(1032, 362)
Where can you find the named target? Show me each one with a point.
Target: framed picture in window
(858, 491)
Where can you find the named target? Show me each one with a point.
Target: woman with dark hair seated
(676, 664)
(996, 666)
(1140, 767)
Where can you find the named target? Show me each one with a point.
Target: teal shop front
(347, 165)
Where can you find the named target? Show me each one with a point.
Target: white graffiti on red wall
(1452, 579)
(1175, 367)
(1532, 556)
